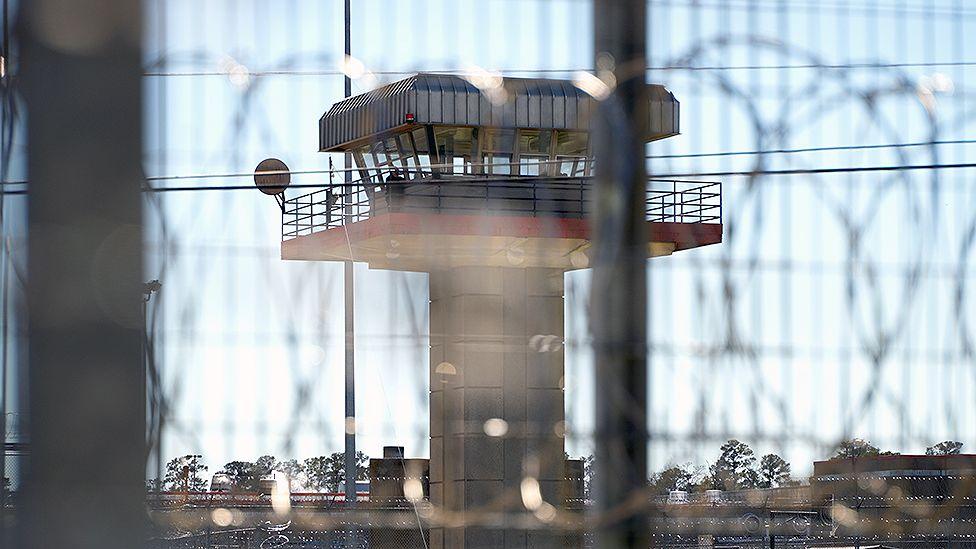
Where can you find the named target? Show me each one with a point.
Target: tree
(733, 470)
(674, 477)
(265, 464)
(326, 473)
(856, 447)
(244, 476)
(774, 472)
(184, 474)
(589, 468)
(295, 472)
(944, 448)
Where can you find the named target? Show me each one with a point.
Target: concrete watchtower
(485, 184)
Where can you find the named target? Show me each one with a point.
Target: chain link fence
(832, 140)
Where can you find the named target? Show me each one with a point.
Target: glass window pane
(454, 143)
(367, 157)
(420, 140)
(380, 154)
(391, 149)
(420, 145)
(403, 142)
(573, 166)
(499, 163)
(500, 141)
(534, 142)
(532, 165)
(571, 143)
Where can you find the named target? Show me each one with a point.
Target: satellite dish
(272, 176)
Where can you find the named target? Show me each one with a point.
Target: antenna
(272, 177)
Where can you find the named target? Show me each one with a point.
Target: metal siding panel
(545, 120)
(653, 118)
(471, 109)
(508, 114)
(377, 110)
(534, 113)
(558, 107)
(676, 116)
(497, 115)
(446, 100)
(423, 102)
(352, 125)
(461, 105)
(412, 102)
(360, 122)
(335, 130)
(385, 114)
(399, 115)
(572, 111)
(397, 111)
(435, 106)
(522, 107)
(667, 116)
(330, 132)
(587, 106)
(486, 111)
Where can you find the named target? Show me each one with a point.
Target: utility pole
(82, 84)
(619, 290)
(350, 316)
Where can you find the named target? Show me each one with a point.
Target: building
(900, 498)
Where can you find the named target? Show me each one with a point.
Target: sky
(835, 307)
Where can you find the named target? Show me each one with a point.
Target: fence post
(82, 82)
(618, 298)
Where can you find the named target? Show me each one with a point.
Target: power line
(806, 171)
(904, 8)
(668, 177)
(336, 72)
(818, 149)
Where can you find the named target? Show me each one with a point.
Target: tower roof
(447, 99)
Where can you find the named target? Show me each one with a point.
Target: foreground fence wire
(838, 305)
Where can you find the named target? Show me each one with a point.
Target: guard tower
(486, 185)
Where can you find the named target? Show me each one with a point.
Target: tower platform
(432, 224)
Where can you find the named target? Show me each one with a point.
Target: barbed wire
(884, 323)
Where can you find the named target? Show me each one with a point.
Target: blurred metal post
(82, 83)
(618, 305)
(350, 423)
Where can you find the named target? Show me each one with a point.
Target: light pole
(349, 424)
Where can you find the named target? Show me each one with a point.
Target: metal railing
(668, 201)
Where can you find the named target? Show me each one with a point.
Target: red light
(410, 117)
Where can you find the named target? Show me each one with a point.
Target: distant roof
(895, 463)
(453, 100)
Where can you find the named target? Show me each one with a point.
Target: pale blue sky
(241, 331)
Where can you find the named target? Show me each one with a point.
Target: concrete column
(486, 365)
